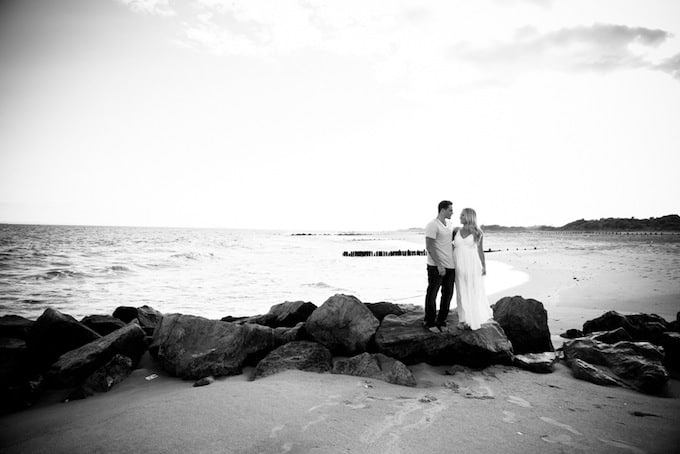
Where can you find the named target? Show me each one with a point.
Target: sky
(337, 115)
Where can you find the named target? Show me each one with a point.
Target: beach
(497, 409)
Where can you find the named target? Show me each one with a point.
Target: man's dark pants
(434, 283)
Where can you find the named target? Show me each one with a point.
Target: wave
(318, 285)
(116, 269)
(192, 255)
(55, 274)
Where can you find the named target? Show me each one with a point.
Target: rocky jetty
(341, 336)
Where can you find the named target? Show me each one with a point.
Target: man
(440, 267)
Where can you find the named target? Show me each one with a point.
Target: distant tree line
(669, 223)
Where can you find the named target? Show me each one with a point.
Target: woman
(468, 255)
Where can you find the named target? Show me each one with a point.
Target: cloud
(671, 66)
(437, 45)
(155, 7)
(599, 47)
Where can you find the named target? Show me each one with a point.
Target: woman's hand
(483, 271)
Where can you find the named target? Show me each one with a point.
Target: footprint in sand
(622, 445)
(519, 401)
(331, 402)
(316, 421)
(276, 430)
(563, 439)
(355, 405)
(509, 417)
(560, 425)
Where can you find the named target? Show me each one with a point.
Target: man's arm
(431, 250)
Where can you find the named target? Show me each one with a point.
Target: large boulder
(641, 327)
(586, 371)
(104, 378)
(15, 326)
(102, 324)
(525, 323)
(147, 316)
(378, 366)
(343, 324)
(193, 347)
(300, 355)
(404, 338)
(283, 335)
(638, 364)
(286, 314)
(20, 383)
(74, 366)
(382, 309)
(611, 337)
(671, 345)
(54, 334)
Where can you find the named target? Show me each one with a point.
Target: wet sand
(499, 409)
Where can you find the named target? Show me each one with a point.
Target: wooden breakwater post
(406, 253)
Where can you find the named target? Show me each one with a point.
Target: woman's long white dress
(473, 305)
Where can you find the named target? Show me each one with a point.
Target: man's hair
(444, 204)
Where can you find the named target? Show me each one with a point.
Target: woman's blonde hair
(470, 218)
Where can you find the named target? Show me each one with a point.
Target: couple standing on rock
(455, 255)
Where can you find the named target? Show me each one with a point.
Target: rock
(585, 371)
(109, 375)
(283, 335)
(641, 327)
(638, 364)
(102, 324)
(239, 320)
(404, 338)
(147, 316)
(536, 362)
(675, 324)
(376, 366)
(15, 326)
(343, 324)
(54, 334)
(572, 334)
(74, 366)
(299, 355)
(287, 314)
(671, 345)
(611, 337)
(205, 381)
(78, 393)
(193, 347)
(525, 323)
(20, 382)
(381, 309)
(125, 313)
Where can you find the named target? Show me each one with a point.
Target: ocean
(85, 270)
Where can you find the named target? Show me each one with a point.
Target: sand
(498, 409)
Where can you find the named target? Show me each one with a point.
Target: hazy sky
(336, 115)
